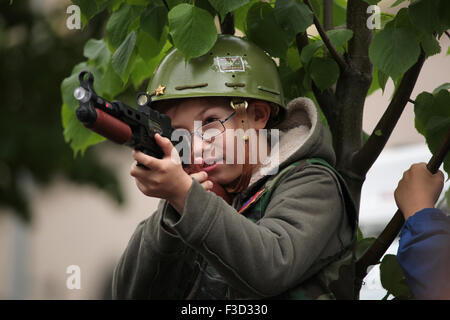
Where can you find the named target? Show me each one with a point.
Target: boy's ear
(258, 114)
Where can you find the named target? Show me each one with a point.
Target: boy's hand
(165, 178)
(418, 189)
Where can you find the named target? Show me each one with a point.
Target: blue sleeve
(424, 254)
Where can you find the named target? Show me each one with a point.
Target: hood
(302, 135)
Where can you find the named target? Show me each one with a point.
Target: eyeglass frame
(200, 134)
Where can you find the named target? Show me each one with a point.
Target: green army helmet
(234, 67)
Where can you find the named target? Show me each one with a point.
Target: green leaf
(422, 107)
(79, 137)
(309, 50)
(372, 2)
(153, 20)
(240, 16)
(139, 72)
(444, 15)
(374, 85)
(382, 79)
(137, 2)
(111, 84)
(396, 3)
(205, 5)
(148, 47)
(445, 86)
(424, 15)
(225, 6)
(339, 37)
(74, 132)
(432, 119)
(324, 72)
(118, 23)
(392, 278)
(292, 81)
(97, 51)
(121, 58)
(430, 45)
(263, 29)
(293, 58)
(193, 30)
(90, 8)
(293, 16)
(394, 50)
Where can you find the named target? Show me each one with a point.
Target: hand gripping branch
(373, 255)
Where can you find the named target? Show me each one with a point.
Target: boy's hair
(276, 113)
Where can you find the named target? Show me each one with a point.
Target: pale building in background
(74, 225)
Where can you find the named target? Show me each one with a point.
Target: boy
(288, 229)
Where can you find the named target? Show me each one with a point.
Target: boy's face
(184, 112)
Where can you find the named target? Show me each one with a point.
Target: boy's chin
(223, 175)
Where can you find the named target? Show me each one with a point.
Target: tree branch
(336, 56)
(448, 34)
(166, 5)
(365, 158)
(326, 98)
(328, 15)
(352, 87)
(358, 46)
(227, 26)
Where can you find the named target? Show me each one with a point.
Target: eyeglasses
(212, 129)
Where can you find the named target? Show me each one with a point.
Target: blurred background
(57, 210)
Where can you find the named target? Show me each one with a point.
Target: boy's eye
(210, 119)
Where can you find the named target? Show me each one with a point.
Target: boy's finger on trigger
(200, 176)
(207, 185)
(144, 159)
(165, 144)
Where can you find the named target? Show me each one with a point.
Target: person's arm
(424, 247)
(424, 254)
(266, 258)
(156, 263)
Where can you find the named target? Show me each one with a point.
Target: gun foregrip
(110, 127)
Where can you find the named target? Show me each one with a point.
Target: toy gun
(120, 123)
(124, 125)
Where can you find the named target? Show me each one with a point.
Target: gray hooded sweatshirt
(213, 252)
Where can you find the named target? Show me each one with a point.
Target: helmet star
(160, 90)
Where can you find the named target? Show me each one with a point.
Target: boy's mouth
(210, 164)
(209, 167)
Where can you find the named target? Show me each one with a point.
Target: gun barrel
(110, 127)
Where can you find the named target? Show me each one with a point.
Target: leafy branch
(334, 53)
(365, 158)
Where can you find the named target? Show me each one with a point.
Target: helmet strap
(241, 114)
